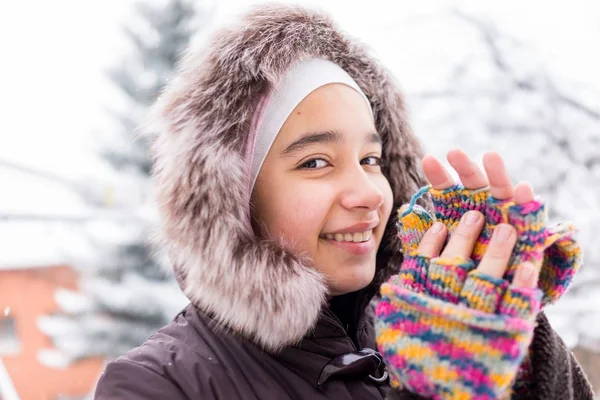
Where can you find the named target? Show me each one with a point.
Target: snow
(137, 295)
(72, 302)
(35, 244)
(53, 359)
(36, 195)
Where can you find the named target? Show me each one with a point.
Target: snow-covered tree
(497, 94)
(126, 290)
(157, 37)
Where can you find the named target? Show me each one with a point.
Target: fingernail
(436, 227)
(472, 217)
(502, 233)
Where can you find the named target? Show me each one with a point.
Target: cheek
(299, 218)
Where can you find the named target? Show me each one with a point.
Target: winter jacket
(189, 359)
(259, 325)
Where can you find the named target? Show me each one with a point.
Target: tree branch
(41, 174)
(76, 219)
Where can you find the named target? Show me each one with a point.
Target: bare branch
(579, 106)
(490, 37)
(75, 219)
(40, 174)
(81, 189)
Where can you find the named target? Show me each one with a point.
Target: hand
(451, 325)
(496, 257)
(457, 320)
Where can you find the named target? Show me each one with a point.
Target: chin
(351, 282)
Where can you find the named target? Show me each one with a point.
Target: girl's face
(321, 190)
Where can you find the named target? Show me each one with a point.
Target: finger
(523, 193)
(495, 259)
(464, 236)
(436, 173)
(471, 176)
(501, 187)
(526, 276)
(433, 240)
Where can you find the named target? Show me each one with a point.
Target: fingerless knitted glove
(450, 332)
(552, 249)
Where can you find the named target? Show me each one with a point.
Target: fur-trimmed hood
(199, 129)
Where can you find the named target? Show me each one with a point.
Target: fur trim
(199, 128)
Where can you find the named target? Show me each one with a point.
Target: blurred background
(79, 283)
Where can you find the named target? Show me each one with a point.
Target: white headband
(305, 77)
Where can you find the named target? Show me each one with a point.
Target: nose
(360, 191)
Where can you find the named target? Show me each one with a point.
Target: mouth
(355, 243)
(352, 237)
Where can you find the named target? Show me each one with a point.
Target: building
(27, 293)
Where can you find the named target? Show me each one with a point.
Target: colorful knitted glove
(450, 332)
(552, 249)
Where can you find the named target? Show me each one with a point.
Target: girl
(280, 151)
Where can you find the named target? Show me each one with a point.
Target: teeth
(367, 235)
(356, 237)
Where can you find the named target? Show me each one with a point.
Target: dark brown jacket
(270, 333)
(188, 359)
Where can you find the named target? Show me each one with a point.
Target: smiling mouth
(355, 237)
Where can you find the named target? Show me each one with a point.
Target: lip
(360, 227)
(358, 248)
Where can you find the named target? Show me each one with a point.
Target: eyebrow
(325, 137)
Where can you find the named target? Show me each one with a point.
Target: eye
(315, 163)
(372, 161)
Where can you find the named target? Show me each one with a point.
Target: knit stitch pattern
(446, 330)
(551, 249)
(450, 332)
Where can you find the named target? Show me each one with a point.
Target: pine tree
(126, 292)
(158, 37)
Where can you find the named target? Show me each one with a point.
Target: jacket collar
(327, 353)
